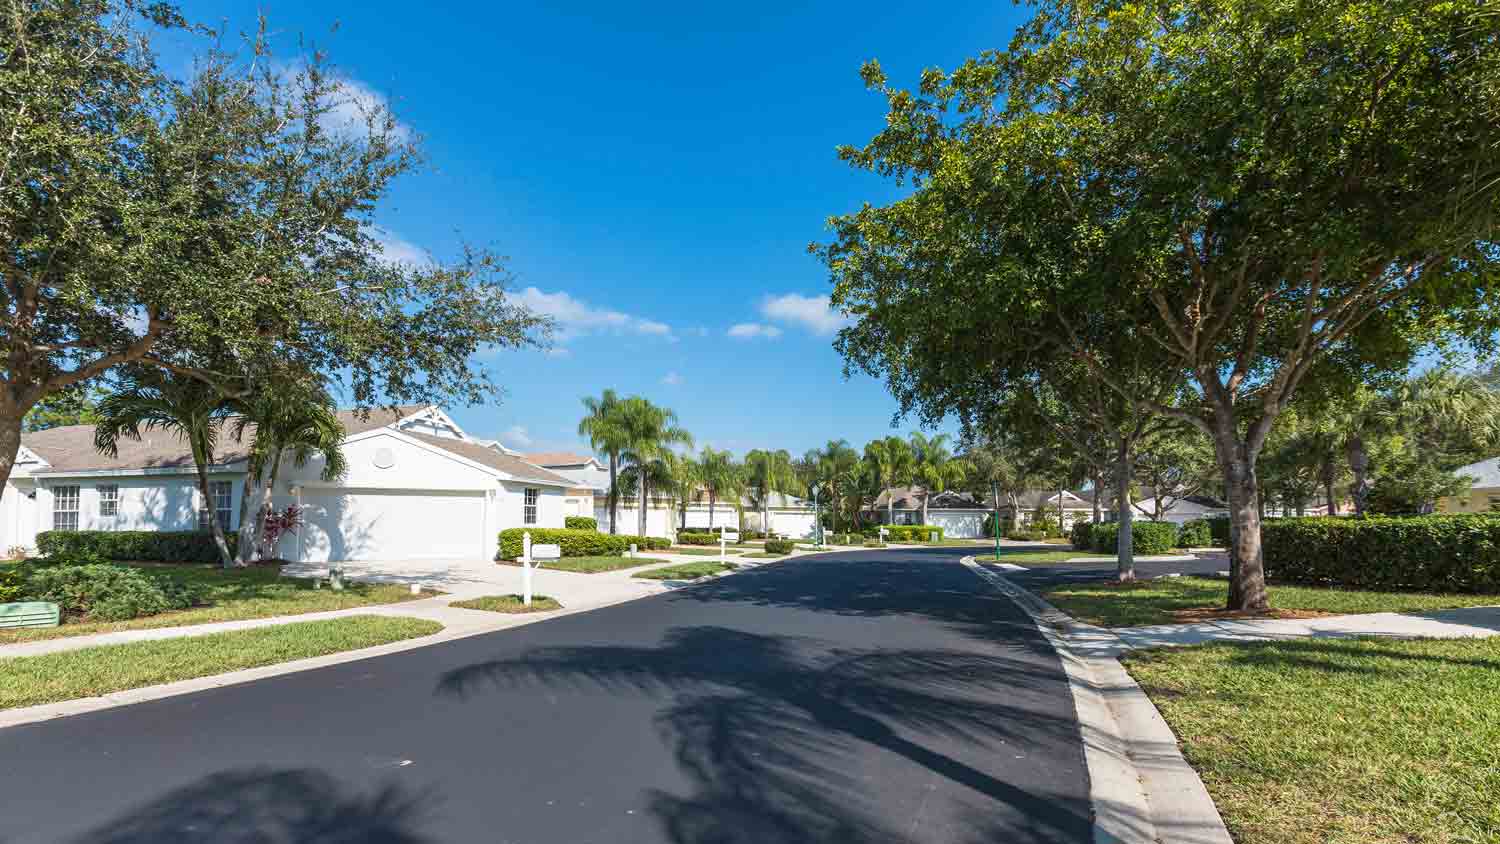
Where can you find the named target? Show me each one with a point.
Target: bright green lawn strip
(1029, 556)
(1334, 741)
(686, 571)
(233, 595)
(86, 672)
(509, 604)
(594, 565)
(1153, 601)
(703, 552)
(764, 555)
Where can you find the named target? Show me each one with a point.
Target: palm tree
(720, 475)
(680, 473)
(605, 433)
(194, 409)
(839, 466)
(649, 432)
(935, 466)
(892, 460)
(287, 422)
(769, 472)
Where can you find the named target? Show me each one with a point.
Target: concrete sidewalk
(1440, 624)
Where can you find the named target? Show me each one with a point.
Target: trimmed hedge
(780, 546)
(904, 533)
(1145, 537)
(1027, 535)
(577, 543)
(1426, 553)
(689, 537)
(580, 523)
(1196, 534)
(1081, 535)
(182, 546)
(1218, 530)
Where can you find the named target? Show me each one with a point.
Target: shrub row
(1081, 534)
(145, 545)
(904, 533)
(1023, 535)
(780, 546)
(1218, 530)
(103, 591)
(580, 523)
(1427, 553)
(843, 538)
(1197, 533)
(577, 543)
(1145, 537)
(689, 537)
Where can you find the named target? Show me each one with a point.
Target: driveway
(855, 697)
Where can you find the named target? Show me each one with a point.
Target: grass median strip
(593, 565)
(764, 555)
(509, 604)
(1184, 599)
(686, 571)
(1344, 741)
(1032, 557)
(87, 672)
(232, 595)
(704, 552)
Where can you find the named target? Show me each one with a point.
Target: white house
(417, 488)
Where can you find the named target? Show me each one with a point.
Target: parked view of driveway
(853, 697)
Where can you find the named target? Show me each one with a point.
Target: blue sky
(655, 173)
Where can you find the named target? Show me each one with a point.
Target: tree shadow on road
(775, 733)
(259, 805)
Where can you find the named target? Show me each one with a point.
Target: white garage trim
(392, 524)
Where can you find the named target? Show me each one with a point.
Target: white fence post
(526, 568)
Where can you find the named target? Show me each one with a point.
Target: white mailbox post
(531, 556)
(883, 533)
(726, 537)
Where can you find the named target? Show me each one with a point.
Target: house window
(528, 511)
(109, 500)
(220, 493)
(65, 508)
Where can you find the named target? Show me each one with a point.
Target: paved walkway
(458, 580)
(1440, 624)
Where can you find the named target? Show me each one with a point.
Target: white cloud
(671, 379)
(396, 250)
(516, 437)
(351, 106)
(810, 312)
(576, 317)
(754, 330)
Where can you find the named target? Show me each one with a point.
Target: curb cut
(1141, 787)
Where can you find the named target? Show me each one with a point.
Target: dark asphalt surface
(855, 697)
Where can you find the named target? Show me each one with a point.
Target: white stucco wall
(660, 521)
(959, 524)
(152, 502)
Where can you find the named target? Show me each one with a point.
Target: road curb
(1140, 786)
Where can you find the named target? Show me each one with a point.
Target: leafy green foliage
(12, 583)
(74, 405)
(1218, 529)
(1145, 537)
(1081, 534)
(696, 538)
(580, 523)
(780, 546)
(108, 592)
(577, 543)
(1196, 533)
(1425, 553)
(905, 533)
(132, 545)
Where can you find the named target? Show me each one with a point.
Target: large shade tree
(211, 226)
(1279, 202)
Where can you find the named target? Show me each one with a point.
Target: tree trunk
(1125, 544)
(614, 495)
(201, 459)
(248, 548)
(890, 505)
(1333, 507)
(645, 491)
(1247, 576)
(10, 441)
(711, 499)
(1098, 483)
(1359, 465)
(267, 489)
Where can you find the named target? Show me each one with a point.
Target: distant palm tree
(934, 466)
(192, 408)
(721, 476)
(769, 472)
(649, 432)
(605, 433)
(892, 460)
(840, 467)
(288, 421)
(680, 472)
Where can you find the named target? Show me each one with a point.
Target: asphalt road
(855, 697)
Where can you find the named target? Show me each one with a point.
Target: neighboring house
(963, 516)
(789, 515)
(1180, 510)
(1483, 495)
(418, 488)
(587, 496)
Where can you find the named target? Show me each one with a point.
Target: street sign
(730, 536)
(546, 551)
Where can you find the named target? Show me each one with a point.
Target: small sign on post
(883, 533)
(531, 555)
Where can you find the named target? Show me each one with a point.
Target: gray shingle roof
(483, 454)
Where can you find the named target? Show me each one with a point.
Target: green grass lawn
(233, 595)
(1031, 556)
(700, 551)
(1159, 601)
(686, 571)
(593, 565)
(764, 555)
(509, 604)
(1335, 741)
(86, 672)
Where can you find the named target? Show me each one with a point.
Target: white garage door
(392, 525)
(799, 525)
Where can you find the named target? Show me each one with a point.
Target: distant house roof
(555, 459)
(910, 498)
(487, 456)
(1486, 473)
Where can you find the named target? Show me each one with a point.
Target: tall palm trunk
(890, 504)
(201, 459)
(614, 488)
(711, 499)
(645, 498)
